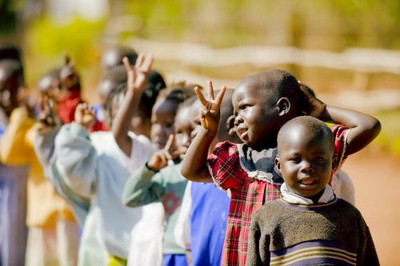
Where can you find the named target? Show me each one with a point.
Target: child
(160, 180)
(13, 178)
(165, 108)
(202, 221)
(308, 224)
(53, 235)
(94, 166)
(263, 102)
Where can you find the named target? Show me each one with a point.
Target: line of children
(13, 178)
(201, 225)
(263, 102)
(159, 180)
(96, 168)
(53, 235)
(92, 170)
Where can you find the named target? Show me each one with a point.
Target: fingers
(220, 96)
(210, 90)
(146, 66)
(170, 142)
(201, 97)
(127, 64)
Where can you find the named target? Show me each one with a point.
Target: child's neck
(316, 197)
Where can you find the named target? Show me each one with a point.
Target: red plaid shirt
(248, 193)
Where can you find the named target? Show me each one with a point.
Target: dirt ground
(376, 178)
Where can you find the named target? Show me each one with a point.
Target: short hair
(276, 83)
(314, 126)
(51, 75)
(113, 56)
(178, 92)
(155, 84)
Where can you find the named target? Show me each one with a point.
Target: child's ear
(277, 165)
(283, 105)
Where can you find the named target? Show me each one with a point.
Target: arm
(15, 149)
(142, 188)
(136, 85)
(76, 157)
(364, 128)
(253, 252)
(194, 164)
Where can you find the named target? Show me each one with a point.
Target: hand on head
(314, 106)
(210, 112)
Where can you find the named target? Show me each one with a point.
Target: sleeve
(76, 159)
(182, 227)
(143, 187)
(367, 253)
(44, 149)
(253, 246)
(343, 186)
(224, 166)
(15, 146)
(340, 133)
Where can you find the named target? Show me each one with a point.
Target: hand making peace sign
(210, 113)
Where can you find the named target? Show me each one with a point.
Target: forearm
(364, 128)
(76, 159)
(122, 121)
(139, 189)
(194, 164)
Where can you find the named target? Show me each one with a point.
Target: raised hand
(48, 117)
(315, 107)
(137, 75)
(210, 112)
(84, 115)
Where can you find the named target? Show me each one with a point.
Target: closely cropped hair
(314, 126)
(179, 92)
(276, 83)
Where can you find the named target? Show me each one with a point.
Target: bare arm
(194, 164)
(364, 128)
(136, 85)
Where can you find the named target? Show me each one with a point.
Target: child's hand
(162, 158)
(137, 75)
(210, 113)
(315, 107)
(48, 115)
(84, 115)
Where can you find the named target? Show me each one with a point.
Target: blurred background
(348, 51)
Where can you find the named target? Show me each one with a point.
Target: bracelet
(151, 169)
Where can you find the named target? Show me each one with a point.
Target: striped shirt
(251, 184)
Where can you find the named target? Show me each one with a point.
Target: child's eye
(244, 106)
(319, 159)
(294, 159)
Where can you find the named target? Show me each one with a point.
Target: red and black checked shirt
(248, 193)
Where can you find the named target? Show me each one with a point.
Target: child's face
(9, 87)
(305, 161)
(186, 122)
(256, 122)
(163, 121)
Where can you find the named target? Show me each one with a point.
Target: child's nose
(306, 167)
(238, 120)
